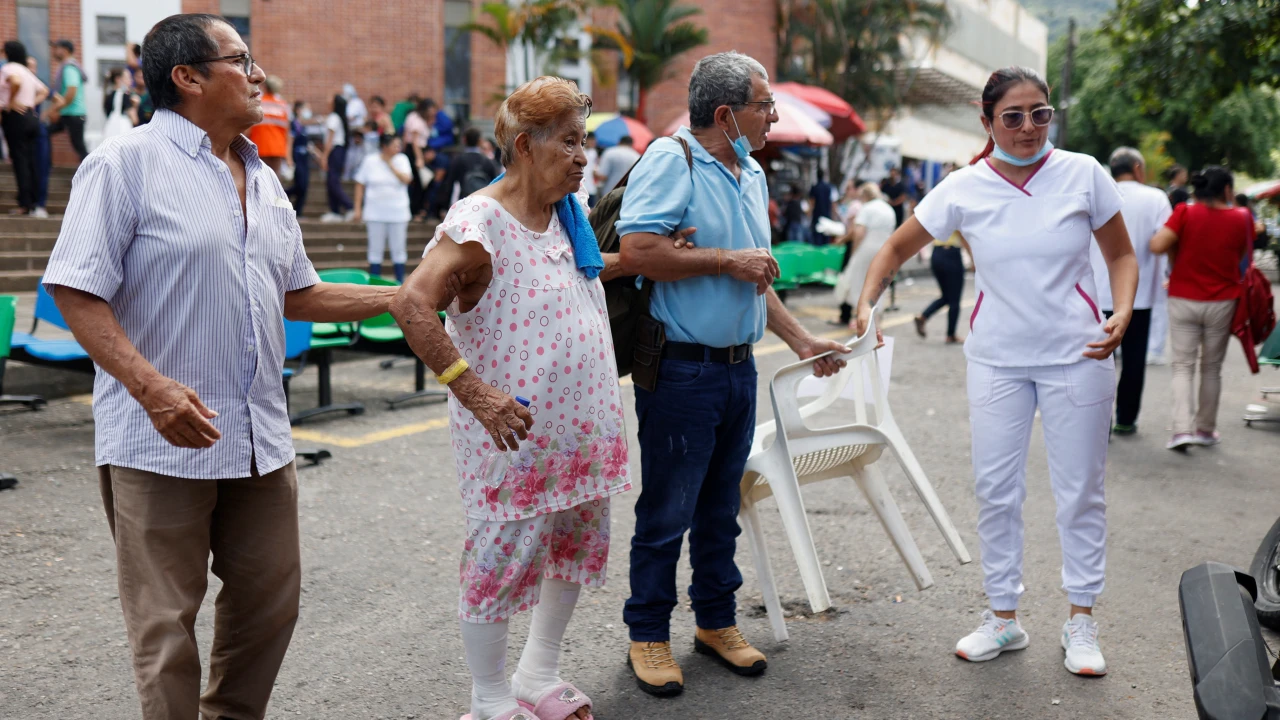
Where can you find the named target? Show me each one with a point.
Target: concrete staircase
(25, 243)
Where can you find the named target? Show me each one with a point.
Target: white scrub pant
(383, 234)
(1075, 408)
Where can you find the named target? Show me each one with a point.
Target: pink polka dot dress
(541, 332)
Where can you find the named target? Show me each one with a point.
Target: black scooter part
(1225, 649)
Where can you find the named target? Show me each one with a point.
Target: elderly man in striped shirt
(177, 259)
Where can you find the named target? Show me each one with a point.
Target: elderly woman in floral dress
(517, 270)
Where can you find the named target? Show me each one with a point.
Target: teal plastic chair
(8, 317)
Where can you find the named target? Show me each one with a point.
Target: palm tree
(853, 47)
(657, 32)
(537, 27)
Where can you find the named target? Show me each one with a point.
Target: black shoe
(7, 481)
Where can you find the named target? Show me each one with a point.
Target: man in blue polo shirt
(714, 302)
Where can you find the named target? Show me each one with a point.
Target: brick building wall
(488, 72)
(202, 6)
(383, 48)
(748, 26)
(8, 20)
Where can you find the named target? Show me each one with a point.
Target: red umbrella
(794, 127)
(845, 122)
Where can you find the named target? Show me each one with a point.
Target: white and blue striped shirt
(154, 227)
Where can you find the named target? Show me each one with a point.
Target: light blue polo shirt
(664, 196)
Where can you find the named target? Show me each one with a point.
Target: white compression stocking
(486, 645)
(539, 668)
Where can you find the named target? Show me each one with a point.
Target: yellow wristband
(454, 372)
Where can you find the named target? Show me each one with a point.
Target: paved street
(381, 529)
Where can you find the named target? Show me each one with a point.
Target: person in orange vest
(272, 134)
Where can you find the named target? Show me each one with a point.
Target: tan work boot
(731, 649)
(656, 671)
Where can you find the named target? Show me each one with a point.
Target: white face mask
(305, 113)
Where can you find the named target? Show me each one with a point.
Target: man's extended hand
(756, 266)
(811, 345)
(178, 415)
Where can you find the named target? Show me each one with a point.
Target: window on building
(33, 32)
(112, 30)
(627, 90)
(457, 58)
(236, 12)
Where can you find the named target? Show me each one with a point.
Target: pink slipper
(517, 714)
(560, 702)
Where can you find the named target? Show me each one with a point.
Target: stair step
(13, 281)
(24, 260)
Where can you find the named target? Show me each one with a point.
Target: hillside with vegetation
(1055, 13)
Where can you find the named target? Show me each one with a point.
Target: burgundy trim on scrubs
(1089, 300)
(1023, 186)
(976, 307)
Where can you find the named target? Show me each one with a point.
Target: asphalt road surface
(381, 530)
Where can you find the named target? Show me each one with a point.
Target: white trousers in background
(383, 234)
(1075, 404)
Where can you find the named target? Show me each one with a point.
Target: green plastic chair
(8, 317)
(325, 338)
(348, 331)
(788, 271)
(383, 328)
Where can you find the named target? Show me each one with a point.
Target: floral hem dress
(541, 331)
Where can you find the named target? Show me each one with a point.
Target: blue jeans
(301, 181)
(695, 435)
(339, 203)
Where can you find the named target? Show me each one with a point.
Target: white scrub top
(1037, 302)
(1145, 211)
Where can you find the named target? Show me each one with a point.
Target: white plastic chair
(800, 455)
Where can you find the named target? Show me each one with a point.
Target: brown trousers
(165, 529)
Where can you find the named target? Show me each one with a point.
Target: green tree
(539, 27)
(657, 32)
(1239, 126)
(1209, 49)
(855, 48)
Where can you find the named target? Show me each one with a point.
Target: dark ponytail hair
(1000, 82)
(340, 109)
(1212, 182)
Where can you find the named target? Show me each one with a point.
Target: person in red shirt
(1207, 241)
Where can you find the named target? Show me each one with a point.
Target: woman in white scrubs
(1037, 340)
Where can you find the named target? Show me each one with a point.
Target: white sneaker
(330, 217)
(39, 213)
(1181, 442)
(993, 637)
(349, 216)
(1080, 640)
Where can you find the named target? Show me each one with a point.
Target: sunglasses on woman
(1014, 119)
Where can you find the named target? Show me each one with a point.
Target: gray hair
(1124, 160)
(720, 79)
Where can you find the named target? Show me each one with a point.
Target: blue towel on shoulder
(586, 248)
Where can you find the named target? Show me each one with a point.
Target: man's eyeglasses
(245, 59)
(769, 104)
(1014, 119)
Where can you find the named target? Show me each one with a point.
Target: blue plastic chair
(297, 341)
(65, 354)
